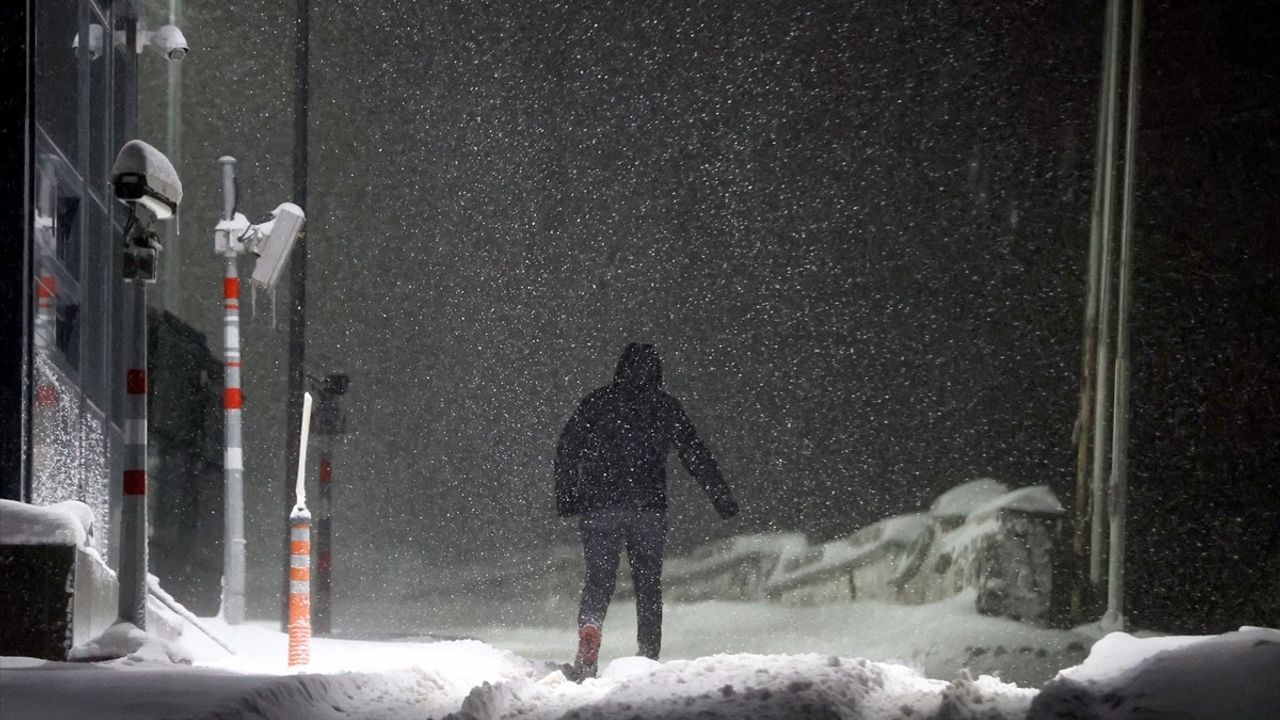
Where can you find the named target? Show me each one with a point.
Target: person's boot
(585, 664)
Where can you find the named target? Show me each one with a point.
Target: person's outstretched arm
(567, 463)
(699, 462)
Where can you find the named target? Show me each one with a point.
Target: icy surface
(65, 523)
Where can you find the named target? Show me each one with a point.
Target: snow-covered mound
(66, 523)
(763, 687)
(1235, 675)
(125, 641)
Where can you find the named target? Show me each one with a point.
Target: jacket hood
(639, 367)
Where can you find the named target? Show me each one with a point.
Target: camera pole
(233, 546)
(132, 601)
(140, 260)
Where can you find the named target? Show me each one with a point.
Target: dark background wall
(857, 232)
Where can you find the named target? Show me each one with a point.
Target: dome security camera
(171, 43)
(168, 41)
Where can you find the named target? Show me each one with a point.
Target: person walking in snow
(610, 470)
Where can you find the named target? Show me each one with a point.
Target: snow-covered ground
(941, 639)
(850, 660)
(1228, 676)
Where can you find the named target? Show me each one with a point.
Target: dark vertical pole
(1084, 423)
(298, 273)
(1118, 495)
(16, 181)
(1102, 353)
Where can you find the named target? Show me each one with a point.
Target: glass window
(58, 49)
(100, 109)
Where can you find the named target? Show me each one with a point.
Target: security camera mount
(141, 250)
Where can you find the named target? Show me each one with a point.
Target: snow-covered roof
(1034, 500)
(64, 523)
(963, 499)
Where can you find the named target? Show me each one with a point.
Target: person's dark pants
(605, 533)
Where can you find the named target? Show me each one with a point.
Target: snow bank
(749, 686)
(1235, 675)
(125, 642)
(347, 679)
(65, 523)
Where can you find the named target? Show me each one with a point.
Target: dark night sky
(856, 231)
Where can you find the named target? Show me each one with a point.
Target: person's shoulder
(596, 397)
(668, 402)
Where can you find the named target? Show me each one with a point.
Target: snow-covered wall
(90, 598)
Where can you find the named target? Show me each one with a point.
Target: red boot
(585, 664)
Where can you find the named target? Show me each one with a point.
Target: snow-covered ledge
(32, 534)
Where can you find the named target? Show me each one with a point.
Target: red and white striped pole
(133, 517)
(233, 559)
(322, 615)
(300, 555)
(233, 546)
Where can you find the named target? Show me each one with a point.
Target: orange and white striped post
(300, 555)
(299, 587)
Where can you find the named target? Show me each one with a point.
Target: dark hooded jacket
(613, 451)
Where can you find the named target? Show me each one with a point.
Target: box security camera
(274, 241)
(144, 177)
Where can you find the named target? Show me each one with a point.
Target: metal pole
(233, 546)
(323, 609)
(1120, 438)
(173, 148)
(132, 600)
(1103, 390)
(1084, 422)
(298, 271)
